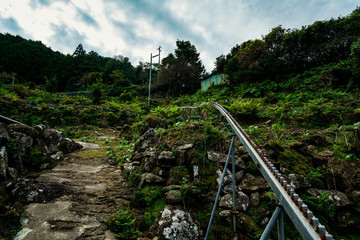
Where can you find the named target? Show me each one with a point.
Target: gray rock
(196, 172)
(311, 151)
(57, 156)
(239, 163)
(356, 193)
(150, 153)
(239, 175)
(166, 159)
(298, 181)
(25, 129)
(335, 198)
(216, 157)
(4, 161)
(42, 221)
(229, 188)
(146, 140)
(40, 128)
(23, 141)
(13, 173)
(176, 224)
(68, 145)
(227, 178)
(294, 145)
(242, 201)
(339, 199)
(166, 155)
(4, 135)
(150, 178)
(53, 139)
(226, 217)
(255, 199)
(253, 183)
(185, 147)
(173, 197)
(242, 150)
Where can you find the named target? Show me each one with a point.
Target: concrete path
(98, 190)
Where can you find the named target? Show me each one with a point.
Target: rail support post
(219, 189)
(234, 185)
(271, 224)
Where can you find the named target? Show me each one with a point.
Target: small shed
(213, 80)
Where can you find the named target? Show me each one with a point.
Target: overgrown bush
(122, 224)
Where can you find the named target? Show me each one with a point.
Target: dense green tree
(283, 52)
(219, 64)
(181, 72)
(118, 63)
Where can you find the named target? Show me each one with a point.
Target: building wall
(213, 80)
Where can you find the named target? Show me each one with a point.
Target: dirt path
(95, 190)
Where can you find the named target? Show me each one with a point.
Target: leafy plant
(122, 224)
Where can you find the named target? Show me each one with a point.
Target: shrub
(122, 224)
(244, 108)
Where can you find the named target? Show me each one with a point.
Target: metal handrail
(304, 220)
(8, 120)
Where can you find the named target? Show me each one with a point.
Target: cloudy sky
(135, 28)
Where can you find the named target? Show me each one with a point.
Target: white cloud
(134, 29)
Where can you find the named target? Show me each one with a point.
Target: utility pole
(151, 57)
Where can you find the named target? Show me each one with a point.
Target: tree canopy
(181, 71)
(283, 52)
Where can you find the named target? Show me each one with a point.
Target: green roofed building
(213, 80)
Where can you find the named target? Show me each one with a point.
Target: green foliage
(51, 84)
(96, 92)
(134, 177)
(34, 159)
(153, 211)
(283, 52)
(188, 192)
(181, 73)
(147, 196)
(321, 205)
(246, 108)
(122, 224)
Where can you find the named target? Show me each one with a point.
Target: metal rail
(304, 220)
(8, 120)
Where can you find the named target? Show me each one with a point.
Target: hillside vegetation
(295, 92)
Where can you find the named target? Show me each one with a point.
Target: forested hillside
(287, 52)
(294, 91)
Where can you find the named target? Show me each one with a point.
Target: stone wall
(18, 142)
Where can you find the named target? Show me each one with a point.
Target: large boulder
(53, 139)
(30, 191)
(242, 201)
(68, 145)
(146, 140)
(176, 223)
(23, 141)
(25, 129)
(150, 178)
